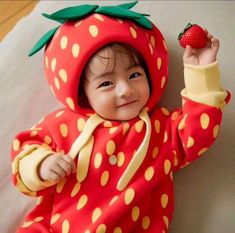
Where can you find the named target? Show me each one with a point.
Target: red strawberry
(194, 36)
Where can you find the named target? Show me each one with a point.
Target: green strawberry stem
(189, 25)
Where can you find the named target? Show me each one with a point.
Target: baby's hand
(55, 167)
(202, 56)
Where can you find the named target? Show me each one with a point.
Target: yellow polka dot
(174, 116)
(164, 200)
(60, 185)
(155, 152)
(157, 126)
(129, 196)
(33, 133)
(65, 226)
(76, 189)
(117, 230)
(202, 151)
(175, 158)
(164, 44)
(75, 50)
(107, 124)
(99, 17)
(152, 41)
(182, 122)
(145, 222)
(82, 201)
(139, 126)
(166, 221)
(47, 140)
(126, 127)
(159, 63)
(63, 42)
(55, 218)
(53, 64)
(190, 142)
(216, 131)
(104, 178)
(16, 144)
(101, 228)
(46, 62)
(110, 147)
(148, 175)
(165, 137)
(59, 113)
(167, 166)
(163, 81)
(98, 160)
(113, 130)
(57, 84)
(120, 159)
(96, 214)
(80, 124)
(27, 224)
(165, 111)
(38, 219)
(70, 102)
(93, 30)
(113, 200)
(151, 48)
(64, 130)
(135, 213)
(63, 75)
(77, 24)
(87, 231)
(204, 120)
(133, 32)
(120, 20)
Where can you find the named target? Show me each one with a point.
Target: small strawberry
(194, 36)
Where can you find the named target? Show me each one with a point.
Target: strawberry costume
(124, 178)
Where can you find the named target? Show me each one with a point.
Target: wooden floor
(12, 11)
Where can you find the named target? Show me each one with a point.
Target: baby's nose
(124, 90)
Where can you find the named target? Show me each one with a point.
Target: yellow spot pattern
(139, 126)
(165, 137)
(202, 151)
(96, 214)
(157, 126)
(145, 222)
(82, 201)
(63, 75)
(63, 42)
(155, 152)
(53, 64)
(76, 189)
(64, 130)
(216, 131)
(47, 140)
(117, 230)
(190, 142)
(113, 200)
(133, 32)
(159, 63)
(110, 147)
(148, 175)
(129, 196)
(120, 159)
(204, 120)
(80, 124)
(55, 218)
(65, 226)
(164, 200)
(135, 213)
(163, 81)
(101, 228)
(75, 50)
(93, 30)
(166, 221)
(98, 160)
(60, 185)
(104, 178)
(126, 127)
(70, 102)
(57, 84)
(167, 166)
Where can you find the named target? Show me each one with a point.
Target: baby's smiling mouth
(127, 103)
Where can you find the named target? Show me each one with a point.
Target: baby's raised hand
(202, 56)
(55, 167)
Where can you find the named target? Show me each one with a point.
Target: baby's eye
(134, 75)
(105, 84)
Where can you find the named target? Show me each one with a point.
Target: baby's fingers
(70, 165)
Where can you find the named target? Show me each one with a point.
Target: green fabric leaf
(43, 41)
(72, 13)
(117, 12)
(49, 17)
(143, 21)
(128, 5)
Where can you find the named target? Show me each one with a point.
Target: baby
(105, 162)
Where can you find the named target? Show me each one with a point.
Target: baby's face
(116, 89)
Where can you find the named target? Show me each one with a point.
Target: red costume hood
(76, 41)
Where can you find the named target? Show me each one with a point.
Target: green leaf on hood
(43, 41)
(128, 5)
(72, 13)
